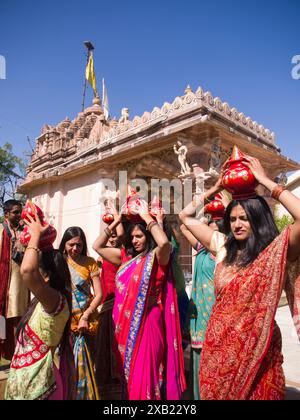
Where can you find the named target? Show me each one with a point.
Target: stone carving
(181, 152)
(215, 158)
(88, 127)
(190, 99)
(283, 179)
(124, 115)
(200, 175)
(45, 128)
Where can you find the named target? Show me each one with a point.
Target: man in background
(14, 296)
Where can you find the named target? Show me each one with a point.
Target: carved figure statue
(283, 179)
(124, 115)
(181, 151)
(215, 158)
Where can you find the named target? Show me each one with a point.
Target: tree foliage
(283, 221)
(12, 171)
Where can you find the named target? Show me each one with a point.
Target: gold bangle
(151, 224)
(33, 247)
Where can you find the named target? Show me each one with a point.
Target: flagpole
(89, 46)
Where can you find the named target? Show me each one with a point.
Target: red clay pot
(108, 218)
(238, 178)
(31, 209)
(216, 209)
(46, 240)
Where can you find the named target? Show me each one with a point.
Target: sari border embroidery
(138, 312)
(37, 350)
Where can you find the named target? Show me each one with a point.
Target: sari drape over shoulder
(147, 330)
(201, 303)
(241, 356)
(202, 296)
(83, 344)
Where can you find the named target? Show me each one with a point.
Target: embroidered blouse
(31, 373)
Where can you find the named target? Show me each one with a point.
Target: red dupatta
(5, 257)
(241, 325)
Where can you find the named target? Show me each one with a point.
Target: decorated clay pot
(25, 236)
(155, 207)
(46, 240)
(215, 208)
(48, 237)
(131, 206)
(108, 218)
(238, 178)
(31, 209)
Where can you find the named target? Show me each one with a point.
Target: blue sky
(148, 52)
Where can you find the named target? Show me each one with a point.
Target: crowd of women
(116, 328)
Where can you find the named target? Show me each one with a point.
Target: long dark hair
(70, 233)
(53, 263)
(150, 242)
(263, 226)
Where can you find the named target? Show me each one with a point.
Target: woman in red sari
(145, 313)
(241, 356)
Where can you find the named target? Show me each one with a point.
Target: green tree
(12, 171)
(283, 221)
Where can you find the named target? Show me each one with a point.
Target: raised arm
(164, 247)
(119, 229)
(189, 236)
(112, 255)
(200, 231)
(30, 272)
(286, 198)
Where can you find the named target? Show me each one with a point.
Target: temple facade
(71, 160)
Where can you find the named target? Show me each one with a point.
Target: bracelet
(277, 190)
(108, 232)
(151, 224)
(33, 247)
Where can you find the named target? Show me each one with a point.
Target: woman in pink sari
(241, 356)
(145, 313)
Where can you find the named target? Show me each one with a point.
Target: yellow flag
(90, 73)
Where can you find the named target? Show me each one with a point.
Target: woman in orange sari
(241, 356)
(84, 273)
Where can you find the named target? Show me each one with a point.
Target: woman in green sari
(203, 294)
(201, 302)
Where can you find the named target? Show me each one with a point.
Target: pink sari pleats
(148, 337)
